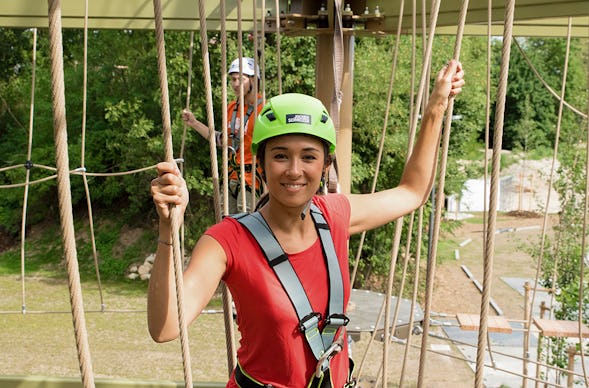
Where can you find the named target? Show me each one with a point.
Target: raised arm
(201, 277)
(190, 120)
(369, 211)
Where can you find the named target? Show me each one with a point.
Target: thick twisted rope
(420, 213)
(64, 192)
(241, 110)
(226, 295)
(492, 217)
(175, 217)
(278, 48)
(431, 263)
(439, 201)
(256, 91)
(224, 118)
(487, 123)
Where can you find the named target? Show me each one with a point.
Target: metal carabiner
(333, 349)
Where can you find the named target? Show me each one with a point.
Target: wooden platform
(495, 324)
(556, 328)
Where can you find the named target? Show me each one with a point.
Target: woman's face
(294, 166)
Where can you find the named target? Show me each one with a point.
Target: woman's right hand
(169, 188)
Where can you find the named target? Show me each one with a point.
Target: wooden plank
(560, 328)
(495, 324)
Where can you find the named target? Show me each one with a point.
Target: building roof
(532, 17)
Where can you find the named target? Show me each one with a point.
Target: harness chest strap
(235, 131)
(309, 320)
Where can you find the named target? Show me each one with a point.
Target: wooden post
(572, 351)
(527, 312)
(543, 308)
(324, 87)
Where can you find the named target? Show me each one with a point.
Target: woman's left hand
(449, 83)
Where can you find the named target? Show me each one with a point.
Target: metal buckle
(303, 322)
(333, 349)
(341, 317)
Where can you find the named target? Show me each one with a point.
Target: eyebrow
(282, 148)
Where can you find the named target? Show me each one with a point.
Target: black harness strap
(234, 133)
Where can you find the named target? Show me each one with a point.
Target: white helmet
(248, 67)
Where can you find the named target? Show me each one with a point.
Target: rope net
(390, 321)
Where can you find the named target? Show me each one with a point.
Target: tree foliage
(124, 124)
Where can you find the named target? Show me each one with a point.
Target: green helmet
(292, 113)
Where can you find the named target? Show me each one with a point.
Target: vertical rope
(550, 180)
(583, 247)
(492, 217)
(224, 135)
(241, 111)
(414, 296)
(83, 158)
(175, 220)
(399, 223)
(64, 191)
(338, 65)
(188, 96)
(487, 123)
(23, 229)
(420, 214)
(226, 295)
(336, 100)
(439, 201)
(420, 94)
(382, 133)
(262, 52)
(278, 52)
(387, 318)
(255, 89)
(185, 126)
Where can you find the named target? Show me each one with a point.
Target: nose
(294, 168)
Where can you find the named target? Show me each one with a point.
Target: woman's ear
(328, 161)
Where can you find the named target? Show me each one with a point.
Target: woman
(293, 138)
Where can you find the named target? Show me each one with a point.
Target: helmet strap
(305, 209)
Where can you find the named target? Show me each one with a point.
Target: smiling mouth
(293, 186)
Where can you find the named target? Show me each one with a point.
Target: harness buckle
(309, 321)
(323, 361)
(337, 320)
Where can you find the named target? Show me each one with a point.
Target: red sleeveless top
(272, 349)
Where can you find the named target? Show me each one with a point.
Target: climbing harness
(234, 127)
(322, 343)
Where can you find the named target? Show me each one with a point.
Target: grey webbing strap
(336, 317)
(278, 260)
(308, 320)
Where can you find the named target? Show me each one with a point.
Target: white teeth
(293, 186)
